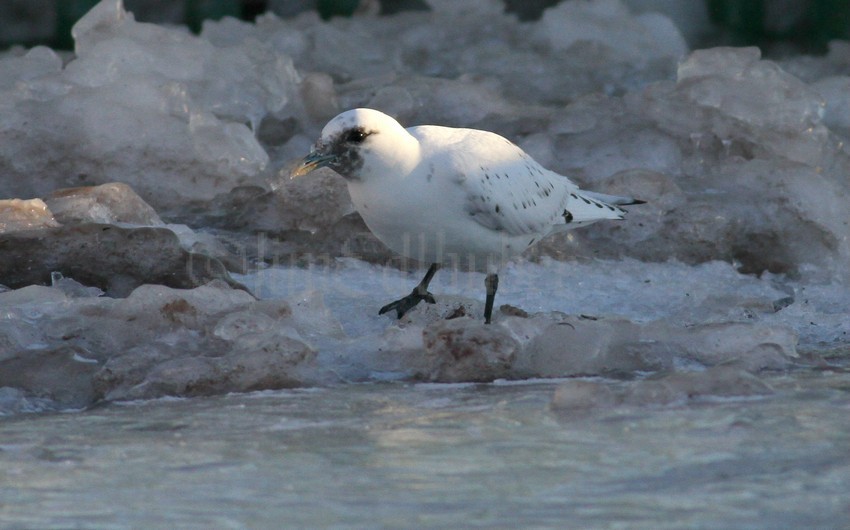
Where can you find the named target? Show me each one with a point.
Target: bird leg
(491, 283)
(419, 293)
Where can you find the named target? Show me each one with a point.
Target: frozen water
(17, 214)
(673, 388)
(158, 341)
(149, 106)
(112, 258)
(110, 203)
(778, 111)
(835, 91)
(441, 455)
(610, 23)
(740, 158)
(321, 325)
(705, 340)
(71, 287)
(18, 73)
(691, 18)
(730, 178)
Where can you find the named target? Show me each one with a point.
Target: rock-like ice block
(32, 214)
(674, 388)
(158, 341)
(153, 107)
(110, 203)
(112, 258)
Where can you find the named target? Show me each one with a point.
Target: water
(398, 455)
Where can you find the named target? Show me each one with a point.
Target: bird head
(358, 142)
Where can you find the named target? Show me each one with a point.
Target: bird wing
(504, 188)
(515, 197)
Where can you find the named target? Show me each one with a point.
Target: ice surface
(752, 99)
(71, 287)
(743, 167)
(611, 24)
(669, 321)
(107, 204)
(835, 91)
(15, 401)
(322, 326)
(690, 18)
(21, 73)
(675, 388)
(160, 159)
(150, 106)
(158, 341)
(699, 349)
(17, 214)
(112, 258)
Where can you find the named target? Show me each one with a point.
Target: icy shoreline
(319, 325)
(151, 166)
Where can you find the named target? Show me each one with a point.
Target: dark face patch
(347, 147)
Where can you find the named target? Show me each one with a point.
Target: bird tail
(586, 207)
(611, 199)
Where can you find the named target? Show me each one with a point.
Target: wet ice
(172, 148)
(694, 358)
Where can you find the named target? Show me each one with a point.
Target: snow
(152, 162)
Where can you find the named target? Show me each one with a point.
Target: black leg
(419, 293)
(491, 283)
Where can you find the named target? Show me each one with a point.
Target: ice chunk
(71, 287)
(218, 340)
(811, 68)
(53, 373)
(16, 401)
(110, 203)
(647, 234)
(238, 324)
(597, 136)
(730, 180)
(672, 388)
(154, 107)
(580, 396)
(32, 214)
(752, 347)
(158, 341)
(112, 258)
(609, 23)
(349, 49)
(230, 146)
(308, 216)
(835, 92)
(679, 387)
(271, 366)
(414, 100)
(580, 346)
(592, 346)
(763, 215)
(319, 95)
(690, 18)
(734, 94)
(22, 311)
(23, 73)
(466, 350)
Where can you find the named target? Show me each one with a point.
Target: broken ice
(150, 163)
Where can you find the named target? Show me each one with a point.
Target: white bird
(442, 194)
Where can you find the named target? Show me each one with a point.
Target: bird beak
(314, 160)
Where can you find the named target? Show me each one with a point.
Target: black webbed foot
(403, 305)
(418, 294)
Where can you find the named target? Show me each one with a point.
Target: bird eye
(356, 136)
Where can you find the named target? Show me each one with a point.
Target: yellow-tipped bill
(314, 160)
